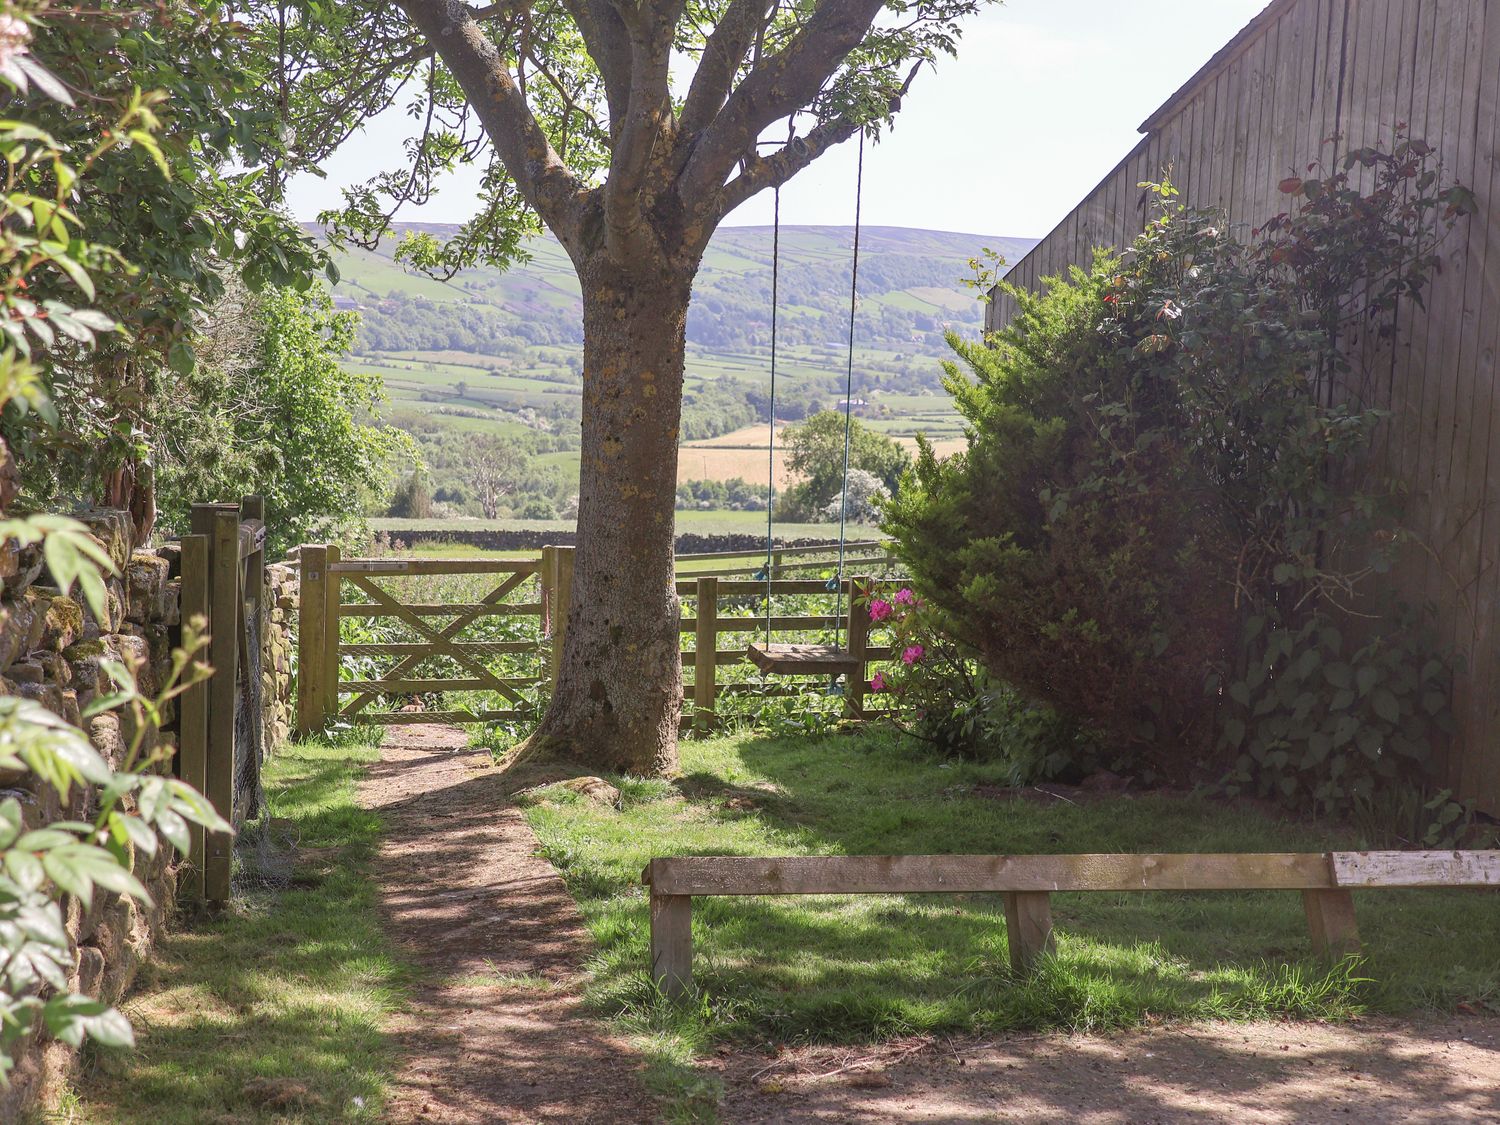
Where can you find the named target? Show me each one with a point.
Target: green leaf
(11, 821)
(72, 1017)
(1386, 706)
(133, 830)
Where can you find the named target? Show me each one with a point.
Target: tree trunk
(619, 689)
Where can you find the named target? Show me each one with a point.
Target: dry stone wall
(51, 646)
(281, 602)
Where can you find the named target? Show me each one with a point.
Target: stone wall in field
(51, 646)
(528, 540)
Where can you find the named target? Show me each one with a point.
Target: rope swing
(820, 658)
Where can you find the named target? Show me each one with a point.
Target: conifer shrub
(1167, 523)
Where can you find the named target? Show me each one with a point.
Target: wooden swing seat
(804, 660)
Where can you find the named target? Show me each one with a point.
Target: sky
(1044, 99)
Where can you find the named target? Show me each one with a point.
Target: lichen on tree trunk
(619, 690)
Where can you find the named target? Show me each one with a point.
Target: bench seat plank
(1417, 869)
(917, 874)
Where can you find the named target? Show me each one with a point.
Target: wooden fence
(1347, 72)
(325, 692)
(223, 582)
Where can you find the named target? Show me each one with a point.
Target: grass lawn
(273, 1011)
(853, 968)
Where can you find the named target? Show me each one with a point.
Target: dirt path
(1373, 1073)
(495, 1032)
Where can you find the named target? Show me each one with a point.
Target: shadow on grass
(273, 1009)
(848, 968)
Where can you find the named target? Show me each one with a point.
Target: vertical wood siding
(1306, 80)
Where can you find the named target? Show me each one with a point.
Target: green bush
(947, 700)
(1164, 524)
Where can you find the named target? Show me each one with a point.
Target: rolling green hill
(494, 352)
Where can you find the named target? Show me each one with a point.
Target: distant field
(707, 462)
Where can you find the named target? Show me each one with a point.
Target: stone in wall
(50, 649)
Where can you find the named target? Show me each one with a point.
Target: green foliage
(152, 183)
(1166, 480)
(135, 803)
(815, 453)
(291, 424)
(946, 699)
(737, 495)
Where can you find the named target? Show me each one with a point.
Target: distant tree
(270, 408)
(815, 454)
(412, 499)
(859, 500)
(493, 467)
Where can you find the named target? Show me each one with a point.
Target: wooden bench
(1027, 882)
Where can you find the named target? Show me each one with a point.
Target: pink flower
(878, 683)
(904, 597)
(912, 654)
(879, 610)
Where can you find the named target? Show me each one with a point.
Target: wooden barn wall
(1303, 72)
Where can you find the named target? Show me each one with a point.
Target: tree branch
(608, 44)
(543, 179)
(782, 165)
(781, 84)
(723, 52)
(647, 118)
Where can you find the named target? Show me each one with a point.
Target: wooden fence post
(192, 709)
(1028, 927)
(705, 659)
(332, 593)
(859, 635)
(672, 943)
(223, 692)
(562, 602)
(310, 640)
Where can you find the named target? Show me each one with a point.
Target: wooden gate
(437, 632)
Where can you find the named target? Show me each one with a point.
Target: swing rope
(771, 452)
(859, 181)
(836, 583)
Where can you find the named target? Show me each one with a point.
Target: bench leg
(672, 943)
(1028, 927)
(1331, 923)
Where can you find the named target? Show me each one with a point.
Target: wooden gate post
(311, 616)
(223, 692)
(705, 659)
(332, 592)
(859, 636)
(192, 710)
(559, 577)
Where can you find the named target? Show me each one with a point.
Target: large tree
(631, 128)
